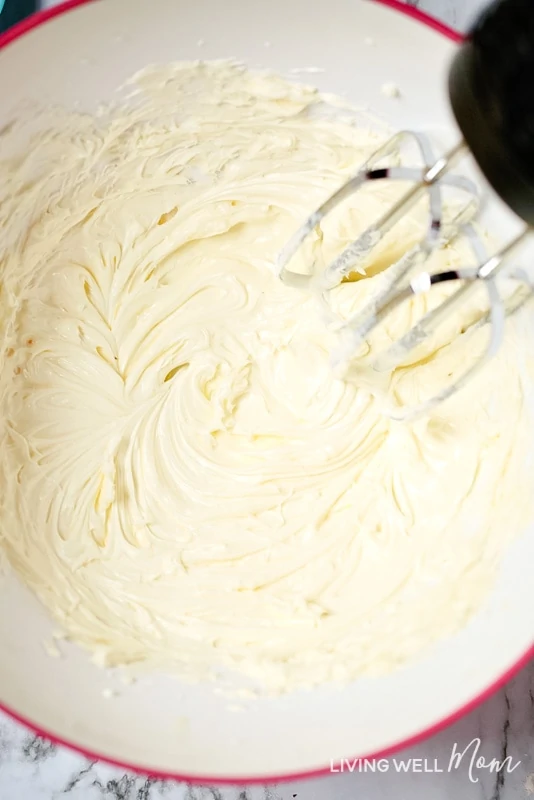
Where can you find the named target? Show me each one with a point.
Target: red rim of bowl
(6, 38)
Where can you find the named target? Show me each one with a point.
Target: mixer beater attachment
(407, 277)
(493, 104)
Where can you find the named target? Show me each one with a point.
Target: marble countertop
(501, 729)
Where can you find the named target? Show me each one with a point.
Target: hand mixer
(491, 90)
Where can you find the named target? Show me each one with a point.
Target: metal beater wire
(427, 179)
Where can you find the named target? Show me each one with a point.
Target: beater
(491, 92)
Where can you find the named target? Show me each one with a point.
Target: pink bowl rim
(11, 35)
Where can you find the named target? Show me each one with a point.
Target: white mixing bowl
(160, 726)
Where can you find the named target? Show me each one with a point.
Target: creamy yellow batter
(185, 482)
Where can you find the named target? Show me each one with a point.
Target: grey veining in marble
(32, 769)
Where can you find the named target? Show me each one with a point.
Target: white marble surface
(32, 769)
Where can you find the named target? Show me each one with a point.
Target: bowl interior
(159, 724)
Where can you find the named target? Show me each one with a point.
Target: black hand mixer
(491, 90)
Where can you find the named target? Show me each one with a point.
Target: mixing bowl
(159, 725)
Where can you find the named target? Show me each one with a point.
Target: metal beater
(492, 97)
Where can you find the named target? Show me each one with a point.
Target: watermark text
(469, 757)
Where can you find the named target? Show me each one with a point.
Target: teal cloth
(13, 11)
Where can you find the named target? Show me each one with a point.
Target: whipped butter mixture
(186, 484)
